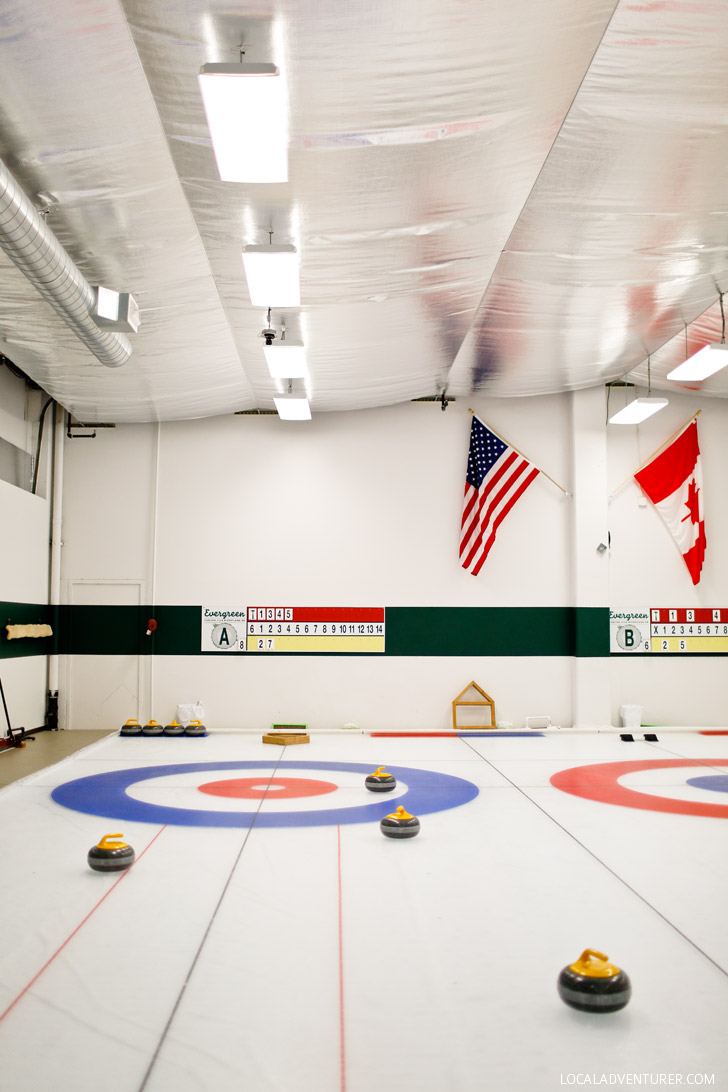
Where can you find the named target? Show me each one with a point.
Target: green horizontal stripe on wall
(104, 631)
(410, 631)
(497, 631)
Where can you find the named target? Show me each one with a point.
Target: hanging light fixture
(287, 359)
(639, 409)
(707, 361)
(272, 274)
(246, 111)
(114, 310)
(292, 406)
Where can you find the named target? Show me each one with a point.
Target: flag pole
(568, 494)
(655, 452)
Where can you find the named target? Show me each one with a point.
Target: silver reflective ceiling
(509, 197)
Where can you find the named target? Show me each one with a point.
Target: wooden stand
(484, 700)
(285, 739)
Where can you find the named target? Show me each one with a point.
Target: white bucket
(631, 716)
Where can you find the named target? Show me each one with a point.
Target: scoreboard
(677, 630)
(293, 629)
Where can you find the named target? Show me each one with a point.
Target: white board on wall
(24, 546)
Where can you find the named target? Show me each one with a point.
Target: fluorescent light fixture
(707, 361)
(129, 315)
(293, 407)
(246, 113)
(286, 360)
(107, 304)
(115, 310)
(638, 410)
(272, 275)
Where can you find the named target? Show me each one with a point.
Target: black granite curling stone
(400, 824)
(195, 728)
(110, 856)
(592, 984)
(380, 781)
(131, 728)
(152, 728)
(174, 729)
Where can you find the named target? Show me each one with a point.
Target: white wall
(24, 549)
(23, 579)
(363, 509)
(360, 509)
(13, 426)
(108, 506)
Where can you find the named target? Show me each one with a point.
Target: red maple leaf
(692, 503)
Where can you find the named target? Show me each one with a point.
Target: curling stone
(174, 729)
(152, 728)
(380, 781)
(131, 728)
(400, 824)
(195, 728)
(110, 856)
(592, 984)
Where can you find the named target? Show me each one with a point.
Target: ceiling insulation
(511, 198)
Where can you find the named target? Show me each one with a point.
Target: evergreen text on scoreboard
(670, 629)
(315, 629)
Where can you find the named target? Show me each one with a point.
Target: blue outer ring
(716, 782)
(105, 795)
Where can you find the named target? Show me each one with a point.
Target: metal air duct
(32, 246)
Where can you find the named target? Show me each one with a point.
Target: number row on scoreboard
(318, 644)
(687, 629)
(687, 644)
(316, 614)
(314, 629)
(684, 614)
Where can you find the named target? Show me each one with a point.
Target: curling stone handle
(106, 842)
(594, 964)
(591, 953)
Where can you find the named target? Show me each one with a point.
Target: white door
(102, 692)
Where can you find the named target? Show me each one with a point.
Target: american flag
(497, 476)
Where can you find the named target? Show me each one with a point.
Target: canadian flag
(673, 481)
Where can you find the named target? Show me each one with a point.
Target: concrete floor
(44, 750)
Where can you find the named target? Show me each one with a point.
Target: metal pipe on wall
(155, 534)
(54, 578)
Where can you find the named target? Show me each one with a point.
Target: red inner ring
(275, 788)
